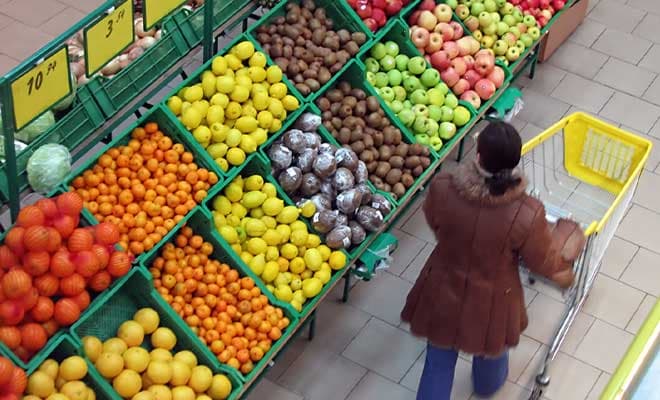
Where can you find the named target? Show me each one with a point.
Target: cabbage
(48, 167)
(36, 127)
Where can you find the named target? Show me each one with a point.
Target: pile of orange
(144, 188)
(228, 313)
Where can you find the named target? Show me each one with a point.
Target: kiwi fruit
(393, 176)
(396, 162)
(412, 162)
(399, 189)
(407, 180)
(372, 104)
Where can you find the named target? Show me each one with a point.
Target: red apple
(379, 15)
(497, 76)
(472, 97)
(450, 76)
(440, 60)
(469, 62)
(464, 45)
(379, 4)
(484, 64)
(414, 17)
(446, 30)
(352, 3)
(547, 14)
(472, 23)
(371, 24)
(427, 5)
(544, 3)
(485, 88)
(435, 42)
(427, 20)
(472, 77)
(458, 29)
(459, 65)
(533, 3)
(451, 48)
(393, 7)
(461, 87)
(443, 12)
(419, 36)
(364, 10)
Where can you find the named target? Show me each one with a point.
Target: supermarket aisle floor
(610, 68)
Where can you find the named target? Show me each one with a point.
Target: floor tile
(576, 333)
(651, 6)
(587, 33)
(84, 6)
(652, 93)
(338, 324)
(408, 248)
(648, 28)
(651, 60)
(641, 314)
(599, 386)
(412, 272)
(32, 12)
(417, 226)
(631, 111)
(384, 296)
(411, 379)
(510, 391)
(647, 194)
(320, 374)
(544, 315)
(7, 63)
(641, 226)
(655, 131)
(546, 288)
(284, 360)
(25, 40)
(521, 355)
(582, 93)
(578, 59)
(266, 389)
(59, 23)
(374, 386)
(622, 45)
(625, 77)
(618, 255)
(462, 389)
(546, 79)
(411, 210)
(574, 109)
(384, 349)
(654, 158)
(603, 336)
(529, 295)
(612, 301)
(541, 110)
(5, 20)
(615, 15)
(643, 272)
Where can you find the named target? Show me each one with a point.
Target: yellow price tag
(156, 10)
(40, 88)
(109, 37)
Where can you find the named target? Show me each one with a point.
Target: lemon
(136, 358)
(272, 206)
(311, 287)
(313, 259)
(93, 348)
(277, 90)
(163, 338)
(257, 246)
(275, 107)
(180, 373)
(306, 274)
(274, 74)
(288, 215)
(160, 392)
(232, 220)
(255, 227)
(218, 219)
(220, 387)
(187, 357)
(40, 384)
(260, 136)
(272, 254)
(183, 393)
(217, 150)
(193, 94)
(257, 264)
(270, 190)
(127, 383)
(131, 332)
(202, 135)
(243, 50)
(297, 305)
(222, 163)
(234, 192)
(200, 379)
(325, 252)
(248, 110)
(215, 114)
(75, 390)
(222, 205)
(238, 210)
(219, 132)
(235, 156)
(298, 225)
(313, 241)
(257, 212)
(246, 257)
(253, 199)
(269, 221)
(284, 293)
(240, 93)
(244, 73)
(209, 85)
(276, 125)
(270, 271)
(248, 145)
(271, 237)
(109, 364)
(51, 367)
(323, 275)
(258, 59)
(260, 101)
(243, 79)
(184, 106)
(337, 260)
(144, 395)
(224, 84)
(220, 99)
(299, 237)
(289, 251)
(254, 182)
(298, 294)
(285, 233)
(174, 103)
(159, 372)
(73, 368)
(257, 74)
(246, 124)
(297, 265)
(233, 61)
(160, 355)
(290, 103)
(219, 66)
(191, 118)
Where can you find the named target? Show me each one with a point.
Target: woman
(469, 297)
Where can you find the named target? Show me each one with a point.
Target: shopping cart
(586, 170)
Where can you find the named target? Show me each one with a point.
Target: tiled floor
(610, 68)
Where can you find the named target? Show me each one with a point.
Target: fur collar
(472, 186)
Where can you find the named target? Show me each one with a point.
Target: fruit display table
(232, 207)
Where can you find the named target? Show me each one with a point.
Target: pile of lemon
(138, 374)
(60, 381)
(273, 242)
(238, 102)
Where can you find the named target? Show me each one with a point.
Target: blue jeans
(488, 374)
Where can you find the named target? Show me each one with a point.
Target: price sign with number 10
(108, 37)
(41, 87)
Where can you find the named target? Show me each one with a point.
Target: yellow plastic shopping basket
(587, 170)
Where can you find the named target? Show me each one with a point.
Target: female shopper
(468, 296)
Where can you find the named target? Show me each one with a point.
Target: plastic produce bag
(48, 167)
(18, 148)
(36, 127)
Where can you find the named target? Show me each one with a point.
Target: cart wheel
(531, 280)
(536, 393)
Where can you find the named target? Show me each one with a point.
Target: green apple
(534, 32)
(386, 93)
(500, 47)
(485, 19)
(394, 77)
(443, 88)
(420, 110)
(387, 63)
(526, 38)
(447, 130)
(402, 62)
(506, 9)
(435, 142)
(430, 77)
(372, 65)
(420, 125)
(391, 48)
(509, 19)
(381, 79)
(407, 104)
(407, 116)
(502, 28)
(436, 97)
(447, 114)
(477, 8)
(423, 138)
(435, 112)
(518, 15)
(411, 84)
(432, 127)
(451, 100)
(378, 51)
(521, 46)
(503, 60)
(419, 96)
(399, 93)
(461, 116)
(513, 53)
(452, 3)
(490, 5)
(396, 106)
(417, 65)
(371, 78)
(515, 31)
(490, 30)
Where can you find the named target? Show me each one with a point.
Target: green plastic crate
(71, 129)
(115, 93)
(201, 222)
(191, 24)
(338, 10)
(170, 127)
(64, 347)
(195, 77)
(104, 319)
(259, 165)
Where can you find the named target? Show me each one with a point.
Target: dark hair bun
(499, 147)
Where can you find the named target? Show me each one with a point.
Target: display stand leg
(460, 150)
(535, 60)
(347, 286)
(312, 326)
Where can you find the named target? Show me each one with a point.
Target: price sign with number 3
(108, 37)
(41, 87)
